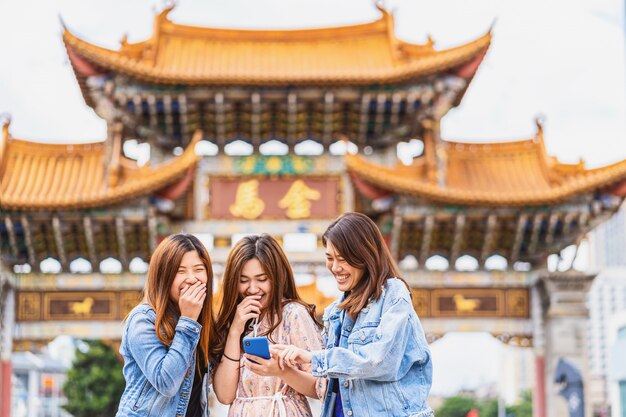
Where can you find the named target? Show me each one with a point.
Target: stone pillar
(565, 328)
(537, 311)
(7, 320)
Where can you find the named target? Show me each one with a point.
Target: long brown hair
(164, 265)
(357, 239)
(274, 262)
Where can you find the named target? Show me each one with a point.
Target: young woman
(376, 354)
(260, 298)
(165, 342)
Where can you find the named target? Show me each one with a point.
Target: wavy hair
(164, 264)
(358, 240)
(283, 291)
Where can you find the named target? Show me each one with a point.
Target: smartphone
(257, 346)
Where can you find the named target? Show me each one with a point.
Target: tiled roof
(505, 173)
(40, 176)
(360, 54)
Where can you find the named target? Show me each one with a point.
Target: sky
(562, 60)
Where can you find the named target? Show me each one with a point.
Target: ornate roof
(495, 174)
(359, 55)
(39, 176)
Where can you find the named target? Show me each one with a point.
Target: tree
(524, 408)
(95, 382)
(457, 406)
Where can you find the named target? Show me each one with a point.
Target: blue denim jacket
(386, 369)
(158, 377)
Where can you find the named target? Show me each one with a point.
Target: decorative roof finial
(168, 6)
(5, 119)
(539, 120)
(380, 5)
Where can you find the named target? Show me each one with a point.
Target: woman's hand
(191, 300)
(248, 308)
(290, 355)
(263, 367)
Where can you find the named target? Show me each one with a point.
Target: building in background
(251, 131)
(617, 365)
(606, 301)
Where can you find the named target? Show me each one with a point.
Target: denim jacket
(158, 377)
(384, 368)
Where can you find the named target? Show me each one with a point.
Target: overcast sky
(562, 59)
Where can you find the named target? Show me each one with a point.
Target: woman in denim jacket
(165, 339)
(375, 355)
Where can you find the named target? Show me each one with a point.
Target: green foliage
(488, 408)
(524, 408)
(457, 406)
(95, 382)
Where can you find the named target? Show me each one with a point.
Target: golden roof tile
(39, 176)
(505, 173)
(359, 54)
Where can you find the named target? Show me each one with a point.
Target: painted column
(539, 346)
(7, 320)
(566, 339)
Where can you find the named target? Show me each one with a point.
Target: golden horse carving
(465, 305)
(83, 307)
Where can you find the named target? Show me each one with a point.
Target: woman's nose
(335, 267)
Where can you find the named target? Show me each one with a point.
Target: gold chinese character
(296, 201)
(247, 202)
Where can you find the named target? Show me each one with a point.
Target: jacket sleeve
(379, 351)
(163, 366)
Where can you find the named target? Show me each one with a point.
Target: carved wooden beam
(534, 237)
(459, 227)
(567, 222)
(220, 118)
(11, 233)
(329, 107)
(169, 119)
(552, 222)
(429, 223)
(396, 99)
(58, 239)
(381, 100)
(138, 101)
(395, 236)
(292, 119)
(90, 241)
(183, 117)
(488, 242)
(152, 111)
(255, 122)
(28, 239)
(363, 120)
(121, 241)
(519, 236)
(152, 230)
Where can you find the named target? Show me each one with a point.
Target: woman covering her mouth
(165, 342)
(376, 354)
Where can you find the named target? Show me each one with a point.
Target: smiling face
(190, 271)
(347, 276)
(254, 281)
